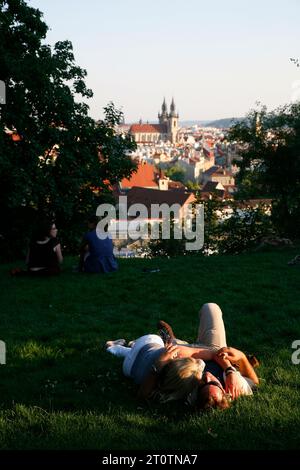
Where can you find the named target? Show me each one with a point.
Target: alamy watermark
(2, 92)
(2, 353)
(296, 354)
(165, 221)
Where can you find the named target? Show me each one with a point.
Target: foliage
(192, 185)
(270, 165)
(211, 220)
(176, 173)
(243, 230)
(230, 227)
(167, 247)
(52, 153)
(234, 226)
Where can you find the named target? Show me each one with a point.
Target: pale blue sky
(216, 58)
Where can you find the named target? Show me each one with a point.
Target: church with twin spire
(166, 130)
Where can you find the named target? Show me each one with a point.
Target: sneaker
(165, 332)
(116, 342)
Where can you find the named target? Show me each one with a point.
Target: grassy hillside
(61, 390)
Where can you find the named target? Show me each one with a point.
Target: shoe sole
(117, 342)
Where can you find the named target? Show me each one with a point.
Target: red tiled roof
(154, 196)
(217, 171)
(176, 185)
(148, 128)
(222, 172)
(146, 176)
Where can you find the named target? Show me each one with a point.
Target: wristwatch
(230, 370)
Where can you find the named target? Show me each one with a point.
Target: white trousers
(130, 354)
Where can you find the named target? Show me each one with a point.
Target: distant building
(192, 168)
(149, 196)
(148, 176)
(166, 130)
(165, 202)
(214, 188)
(195, 165)
(219, 175)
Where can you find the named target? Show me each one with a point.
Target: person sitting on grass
(228, 373)
(175, 371)
(96, 251)
(44, 255)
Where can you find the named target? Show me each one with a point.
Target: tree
(176, 173)
(167, 247)
(212, 207)
(192, 186)
(270, 164)
(52, 154)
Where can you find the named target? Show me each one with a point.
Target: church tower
(173, 123)
(163, 117)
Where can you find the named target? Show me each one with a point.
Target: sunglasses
(212, 382)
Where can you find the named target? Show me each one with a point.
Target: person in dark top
(96, 251)
(44, 255)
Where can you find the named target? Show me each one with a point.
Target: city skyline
(216, 60)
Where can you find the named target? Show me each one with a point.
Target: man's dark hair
(42, 230)
(93, 219)
(206, 402)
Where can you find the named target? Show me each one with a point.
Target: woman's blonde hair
(177, 379)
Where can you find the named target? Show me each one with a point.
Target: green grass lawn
(60, 390)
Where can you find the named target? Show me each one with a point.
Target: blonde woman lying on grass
(175, 371)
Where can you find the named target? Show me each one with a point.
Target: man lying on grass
(175, 371)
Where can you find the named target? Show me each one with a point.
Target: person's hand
(233, 385)
(232, 354)
(171, 352)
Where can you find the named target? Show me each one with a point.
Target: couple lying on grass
(206, 374)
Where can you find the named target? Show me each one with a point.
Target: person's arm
(150, 382)
(83, 249)
(232, 380)
(58, 252)
(247, 370)
(196, 353)
(235, 356)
